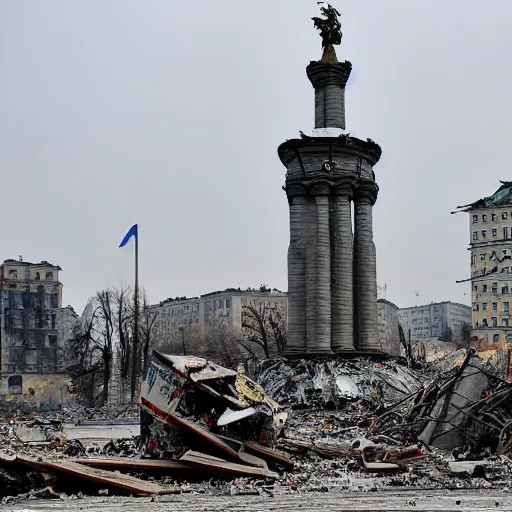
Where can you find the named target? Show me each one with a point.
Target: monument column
(365, 267)
(342, 270)
(322, 279)
(296, 344)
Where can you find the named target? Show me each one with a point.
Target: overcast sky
(169, 114)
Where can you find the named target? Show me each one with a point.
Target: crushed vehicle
(206, 404)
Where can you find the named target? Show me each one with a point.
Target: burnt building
(34, 326)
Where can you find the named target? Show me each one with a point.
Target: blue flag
(132, 232)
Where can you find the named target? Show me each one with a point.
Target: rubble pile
(331, 424)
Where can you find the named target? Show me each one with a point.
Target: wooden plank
(202, 461)
(268, 454)
(126, 463)
(191, 428)
(101, 476)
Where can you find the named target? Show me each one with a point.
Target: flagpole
(135, 319)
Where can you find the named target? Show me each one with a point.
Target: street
(386, 500)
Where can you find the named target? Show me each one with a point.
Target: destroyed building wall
(444, 320)
(31, 295)
(46, 392)
(34, 330)
(389, 335)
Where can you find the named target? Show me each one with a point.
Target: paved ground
(389, 501)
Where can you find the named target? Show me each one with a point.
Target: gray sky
(169, 114)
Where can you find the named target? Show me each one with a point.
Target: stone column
(310, 224)
(296, 344)
(342, 272)
(322, 343)
(365, 270)
(329, 81)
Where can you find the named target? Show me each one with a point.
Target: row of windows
(494, 288)
(504, 216)
(507, 233)
(483, 257)
(217, 304)
(494, 305)
(494, 322)
(13, 274)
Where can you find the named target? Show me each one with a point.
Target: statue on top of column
(330, 27)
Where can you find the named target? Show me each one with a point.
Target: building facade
(33, 325)
(330, 186)
(490, 245)
(197, 316)
(443, 320)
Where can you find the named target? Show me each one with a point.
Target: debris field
(279, 427)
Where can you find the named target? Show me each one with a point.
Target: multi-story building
(33, 325)
(490, 226)
(200, 314)
(444, 320)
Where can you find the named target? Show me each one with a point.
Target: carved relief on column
(342, 274)
(296, 344)
(322, 281)
(365, 270)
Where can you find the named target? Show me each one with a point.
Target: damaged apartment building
(490, 227)
(34, 326)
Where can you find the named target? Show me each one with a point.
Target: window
(484, 218)
(475, 219)
(496, 338)
(484, 233)
(54, 300)
(494, 232)
(495, 306)
(484, 322)
(54, 321)
(484, 306)
(163, 313)
(484, 288)
(475, 287)
(504, 289)
(49, 276)
(504, 215)
(494, 287)
(505, 269)
(494, 321)
(13, 274)
(493, 217)
(473, 259)
(52, 340)
(505, 232)
(228, 303)
(476, 325)
(15, 384)
(505, 307)
(505, 322)
(482, 257)
(37, 276)
(475, 307)
(475, 235)
(221, 304)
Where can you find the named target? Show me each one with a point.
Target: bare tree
(263, 326)
(148, 330)
(124, 315)
(102, 334)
